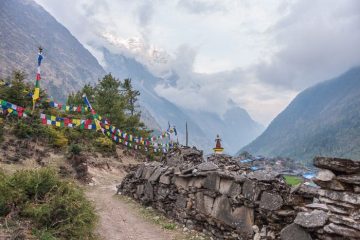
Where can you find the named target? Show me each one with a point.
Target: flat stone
(346, 197)
(181, 183)
(187, 152)
(250, 190)
(147, 172)
(156, 174)
(174, 160)
(139, 171)
(197, 182)
(242, 218)
(181, 201)
(162, 193)
(342, 220)
(332, 184)
(271, 201)
(164, 179)
(342, 230)
(263, 175)
(351, 179)
(207, 166)
(339, 165)
(139, 190)
(225, 185)
(212, 181)
(320, 206)
(325, 175)
(149, 191)
(204, 203)
(235, 189)
(313, 219)
(294, 231)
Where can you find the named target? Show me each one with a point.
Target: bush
(55, 136)
(23, 129)
(105, 144)
(58, 209)
(74, 149)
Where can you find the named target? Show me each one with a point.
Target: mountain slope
(322, 120)
(236, 126)
(25, 26)
(160, 108)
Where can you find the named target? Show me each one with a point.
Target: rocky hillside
(25, 26)
(322, 120)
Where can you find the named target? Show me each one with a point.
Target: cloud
(258, 53)
(202, 6)
(316, 43)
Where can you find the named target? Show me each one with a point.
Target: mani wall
(226, 200)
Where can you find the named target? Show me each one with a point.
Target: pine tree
(109, 102)
(17, 92)
(131, 96)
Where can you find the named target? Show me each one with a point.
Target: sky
(256, 54)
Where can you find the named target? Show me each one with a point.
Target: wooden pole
(187, 135)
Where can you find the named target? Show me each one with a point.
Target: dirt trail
(118, 220)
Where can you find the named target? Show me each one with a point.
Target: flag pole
(187, 134)
(36, 94)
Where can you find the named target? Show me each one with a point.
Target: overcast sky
(257, 54)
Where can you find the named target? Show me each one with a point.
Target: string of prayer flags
(67, 122)
(67, 108)
(12, 108)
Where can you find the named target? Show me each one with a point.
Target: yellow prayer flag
(57, 124)
(36, 94)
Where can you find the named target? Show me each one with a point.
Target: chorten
(218, 149)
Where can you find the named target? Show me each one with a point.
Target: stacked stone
(233, 204)
(226, 204)
(335, 211)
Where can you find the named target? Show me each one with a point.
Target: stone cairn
(226, 200)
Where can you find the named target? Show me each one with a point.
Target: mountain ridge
(327, 115)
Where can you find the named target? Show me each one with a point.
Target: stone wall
(230, 202)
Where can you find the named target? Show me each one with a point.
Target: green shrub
(74, 149)
(57, 209)
(23, 129)
(105, 144)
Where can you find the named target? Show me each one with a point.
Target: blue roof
(246, 160)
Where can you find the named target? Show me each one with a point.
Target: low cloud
(259, 54)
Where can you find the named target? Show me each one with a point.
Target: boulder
(264, 175)
(313, 219)
(325, 175)
(294, 231)
(338, 165)
(271, 201)
(207, 166)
